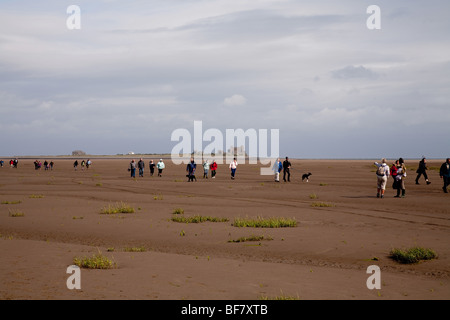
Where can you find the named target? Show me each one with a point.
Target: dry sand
(325, 257)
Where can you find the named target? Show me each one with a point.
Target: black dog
(306, 176)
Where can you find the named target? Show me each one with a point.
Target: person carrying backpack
(277, 167)
(382, 176)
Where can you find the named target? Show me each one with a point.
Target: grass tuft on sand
(197, 219)
(119, 207)
(178, 211)
(251, 238)
(16, 213)
(97, 261)
(11, 202)
(322, 205)
(412, 255)
(259, 222)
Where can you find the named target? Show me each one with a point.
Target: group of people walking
(398, 173)
(140, 165)
(191, 167)
(84, 164)
(284, 166)
(47, 165)
(13, 163)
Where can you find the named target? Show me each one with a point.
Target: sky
(136, 71)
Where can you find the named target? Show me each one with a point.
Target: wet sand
(324, 257)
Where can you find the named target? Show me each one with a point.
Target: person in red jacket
(213, 168)
(393, 172)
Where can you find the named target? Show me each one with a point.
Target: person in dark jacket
(422, 170)
(444, 173)
(287, 170)
(152, 167)
(190, 169)
(141, 166)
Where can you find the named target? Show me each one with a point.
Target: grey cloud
(251, 25)
(354, 72)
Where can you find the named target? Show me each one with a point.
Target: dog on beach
(306, 176)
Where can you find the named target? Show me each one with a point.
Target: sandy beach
(325, 256)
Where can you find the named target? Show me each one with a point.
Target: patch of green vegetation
(97, 261)
(37, 196)
(119, 207)
(158, 197)
(11, 202)
(322, 205)
(197, 219)
(313, 196)
(323, 184)
(135, 249)
(77, 218)
(251, 238)
(259, 222)
(16, 213)
(280, 297)
(178, 211)
(412, 255)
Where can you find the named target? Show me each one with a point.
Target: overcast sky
(138, 70)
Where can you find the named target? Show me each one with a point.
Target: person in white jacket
(382, 177)
(160, 165)
(233, 166)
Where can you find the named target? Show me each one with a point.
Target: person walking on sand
(83, 163)
(205, 169)
(152, 167)
(213, 168)
(382, 177)
(393, 174)
(160, 165)
(1, 163)
(277, 167)
(141, 166)
(287, 170)
(422, 170)
(88, 163)
(133, 168)
(233, 167)
(444, 173)
(401, 176)
(190, 169)
(75, 165)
